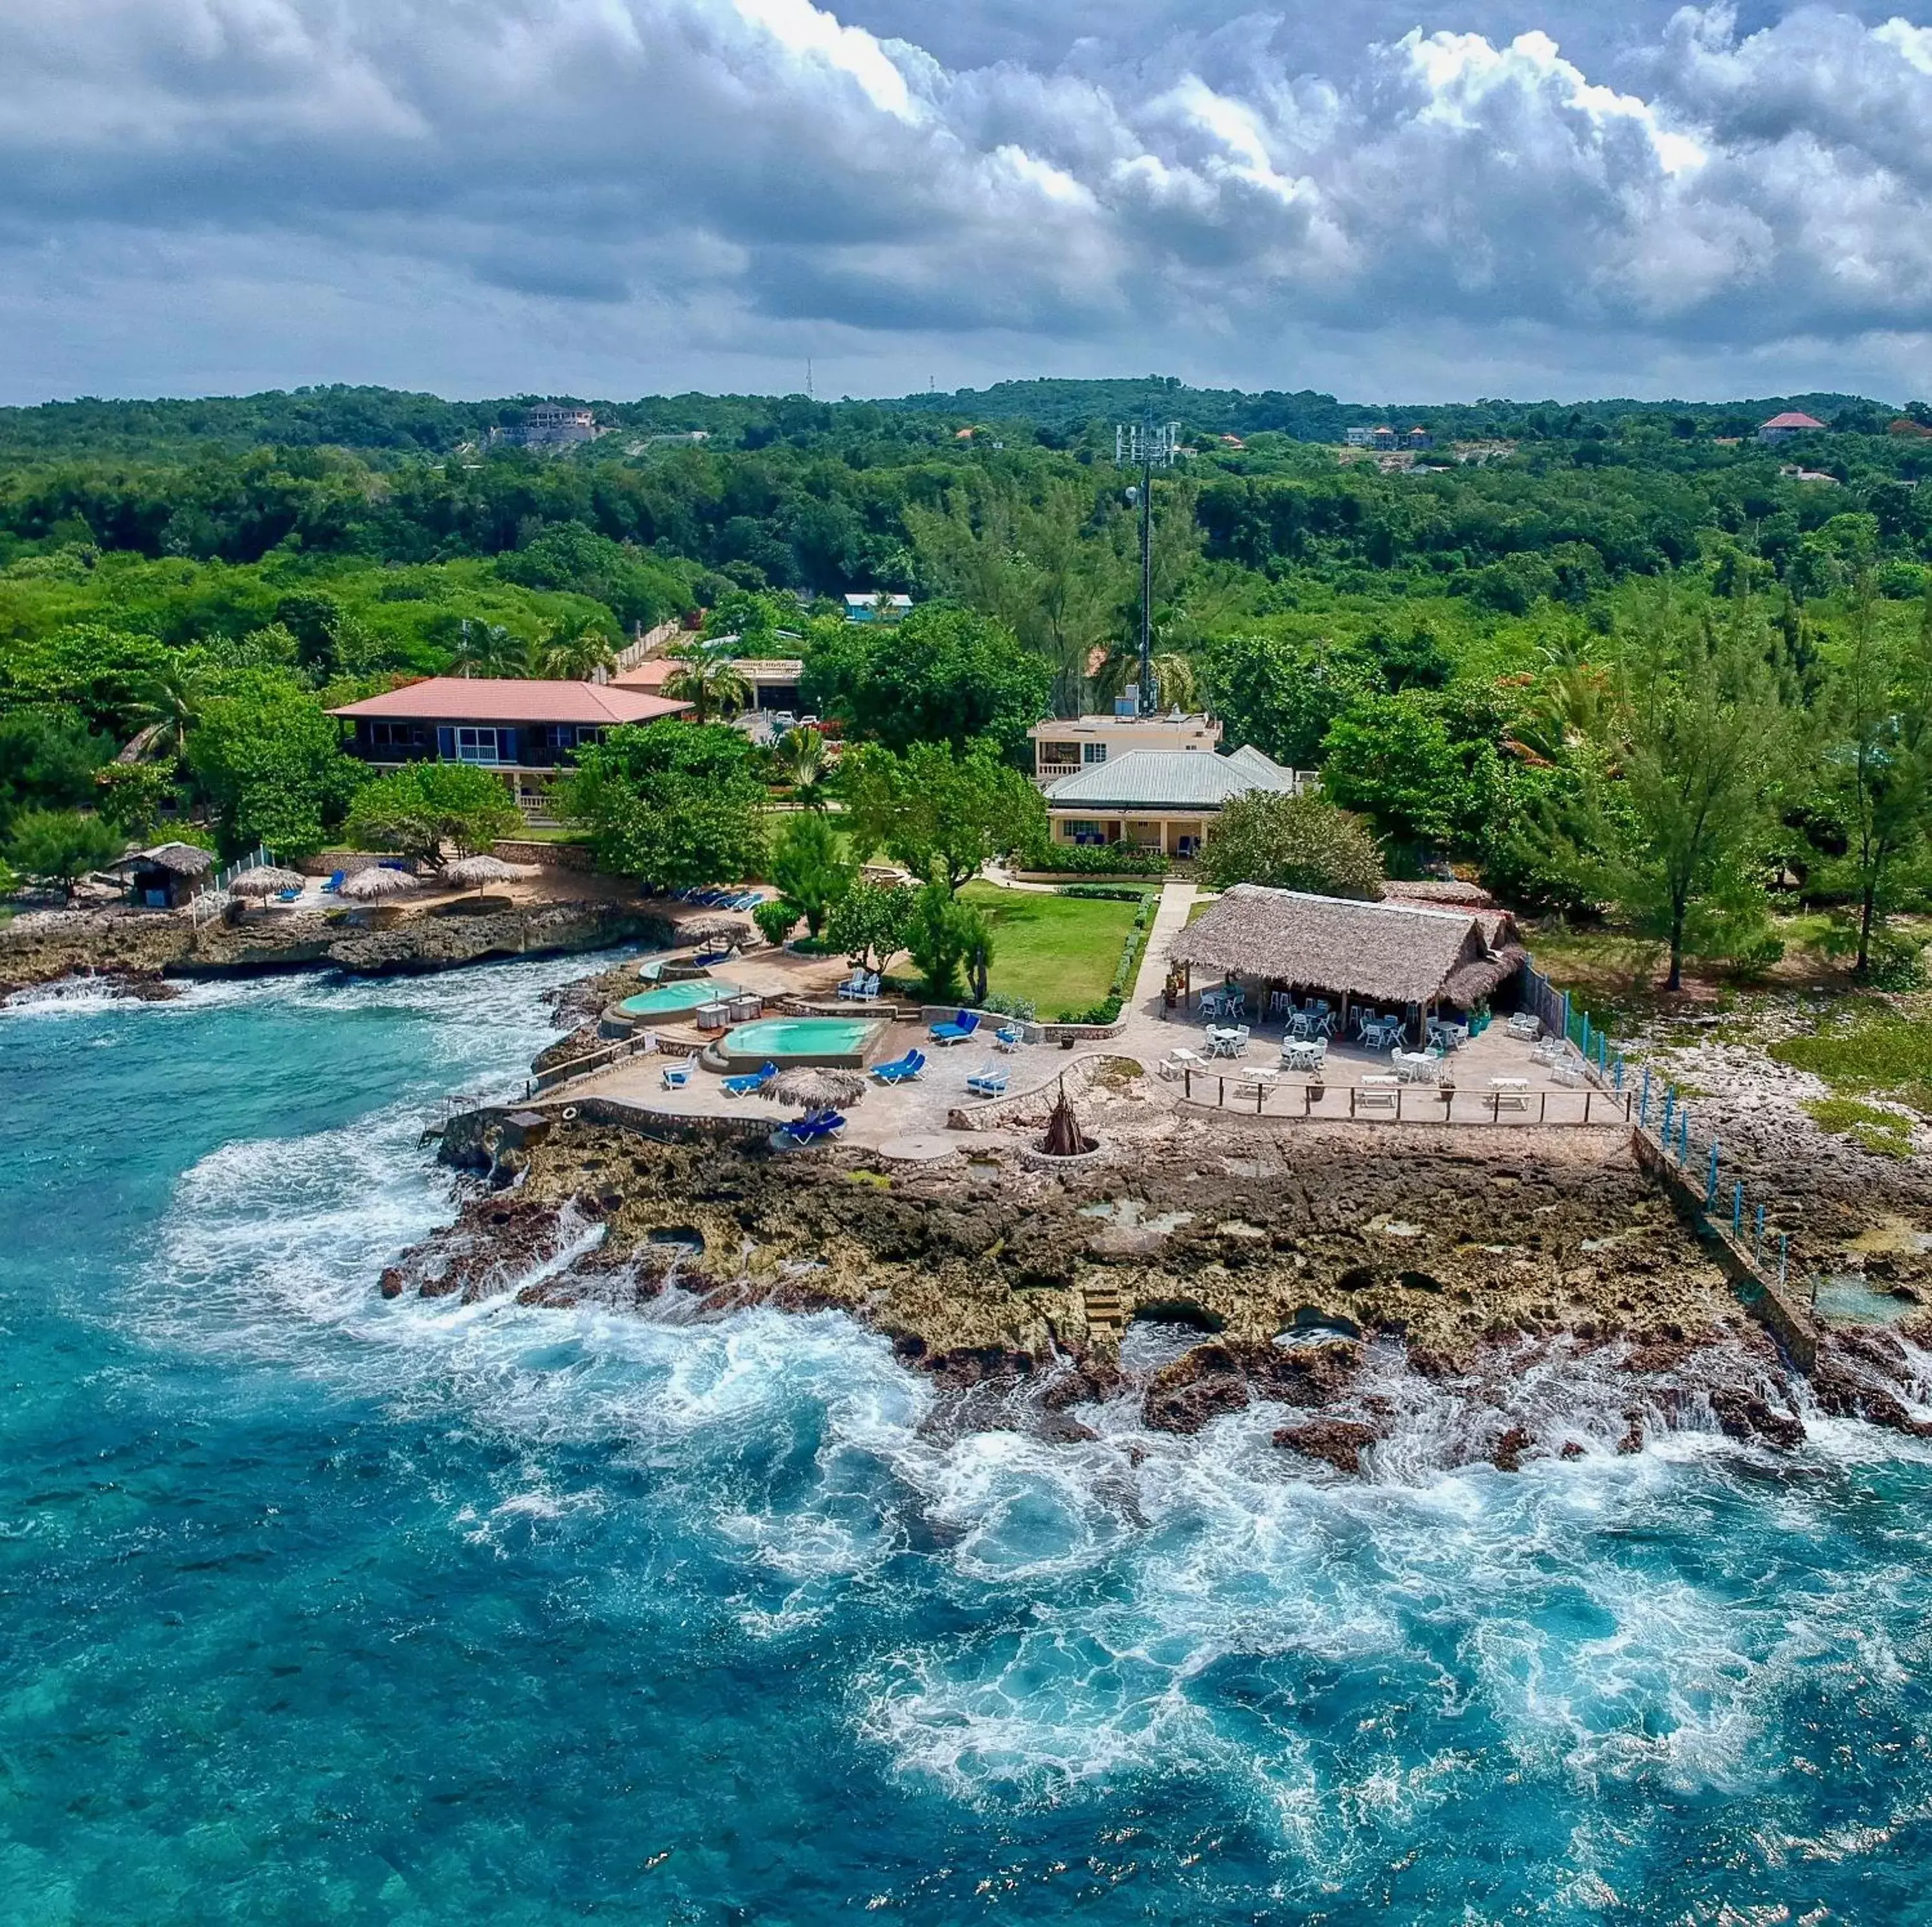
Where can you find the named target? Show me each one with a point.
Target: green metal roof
(1168, 779)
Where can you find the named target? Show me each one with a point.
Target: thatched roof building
(167, 876)
(1386, 952)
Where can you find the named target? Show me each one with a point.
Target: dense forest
(1459, 635)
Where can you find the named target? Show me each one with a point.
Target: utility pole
(1147, 561)
(1141, 443)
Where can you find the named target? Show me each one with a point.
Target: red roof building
(1781, 427)
(527, 731)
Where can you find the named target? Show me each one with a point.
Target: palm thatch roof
(709, 929)
(266, 882)
(816, 1089)
(371, 885)
(1439, 893)
(1393, 952)
(472, 872)
(185, 860)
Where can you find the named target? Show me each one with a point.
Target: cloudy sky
(614, 197)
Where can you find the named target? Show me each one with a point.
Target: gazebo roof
(1398, 953)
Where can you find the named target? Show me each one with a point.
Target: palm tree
(169, 708)
(575, 658)
(1174, 677)
(710, 681)
(488, 649)
(800, 755)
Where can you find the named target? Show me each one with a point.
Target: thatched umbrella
(473, 872)
(706, 930)
(816, 1089)
(266, 882)
(371, 885)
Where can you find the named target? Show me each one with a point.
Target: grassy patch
(1868, 1049)
(1884, 1133)
(1058, 951)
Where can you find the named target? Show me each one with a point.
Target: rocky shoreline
(139, 952)
(1299, 1279)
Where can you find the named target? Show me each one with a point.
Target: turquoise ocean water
(314, 1608)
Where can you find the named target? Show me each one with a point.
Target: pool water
(842, 1040)
(685, 995)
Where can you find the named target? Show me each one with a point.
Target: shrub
(997, 1003)
(1108, 860)
(1102, 893)
(1286, 842)
(419, 809)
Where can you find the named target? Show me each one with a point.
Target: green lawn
(1060, 951)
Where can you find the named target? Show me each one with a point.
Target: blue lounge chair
(989, 1081)
(815, 1127)
(964, 1024)
(288, 895)
(676, 1076)
(335, 882)
(902, 1070)
(752, 1081)
(853, 985)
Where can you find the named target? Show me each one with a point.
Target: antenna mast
(1143, 445)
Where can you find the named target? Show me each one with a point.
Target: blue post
(1738, 1208)
(1783, 1255)
(1757, 1235)
(1618, 1072)
(1684, 1135)
(1711, 1184)
(1669, 1113)
(1565, 1032)
(1643, 1098)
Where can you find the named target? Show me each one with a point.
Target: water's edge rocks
(127, 948)
(1301, 1285)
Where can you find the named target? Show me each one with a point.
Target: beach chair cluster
(719, 899)
(751, 1082)
(902, 1069)
(956, 1029)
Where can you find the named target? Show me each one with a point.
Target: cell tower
(1146, 446)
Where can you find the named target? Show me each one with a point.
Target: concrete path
(1147, 1035)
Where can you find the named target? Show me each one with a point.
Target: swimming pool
(842, 1041)
(685, 995)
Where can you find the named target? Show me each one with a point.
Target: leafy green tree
(1304, 843)
(129, 795)
(489, 649)
(48, 757)
(937, 938)
(1281, 696)
(870, 924)
(59, 847)
(167, 711)
(270, 762)
(104, 673)
(777, 917)
(673, 803)
(943, 814)
(811, 866)
(943, 675)
(1391, 759)
(417, 810)
(707, 676)
(975, 949)
(1671, 830)
(1876, 773)
(749, 619)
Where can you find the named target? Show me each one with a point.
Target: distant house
(551, 424)
(1065, 746)
(1782, 427)
(1418, 438)
(1385, 439)
(167, 876)
(1164, 799)
(1791, 472)
(775, 680)
(878, 606)
(526, 731)
(1358, 438)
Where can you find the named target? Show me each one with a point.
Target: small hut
(1419, 958)
(167, 876)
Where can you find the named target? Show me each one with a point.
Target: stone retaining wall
(547, 856)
